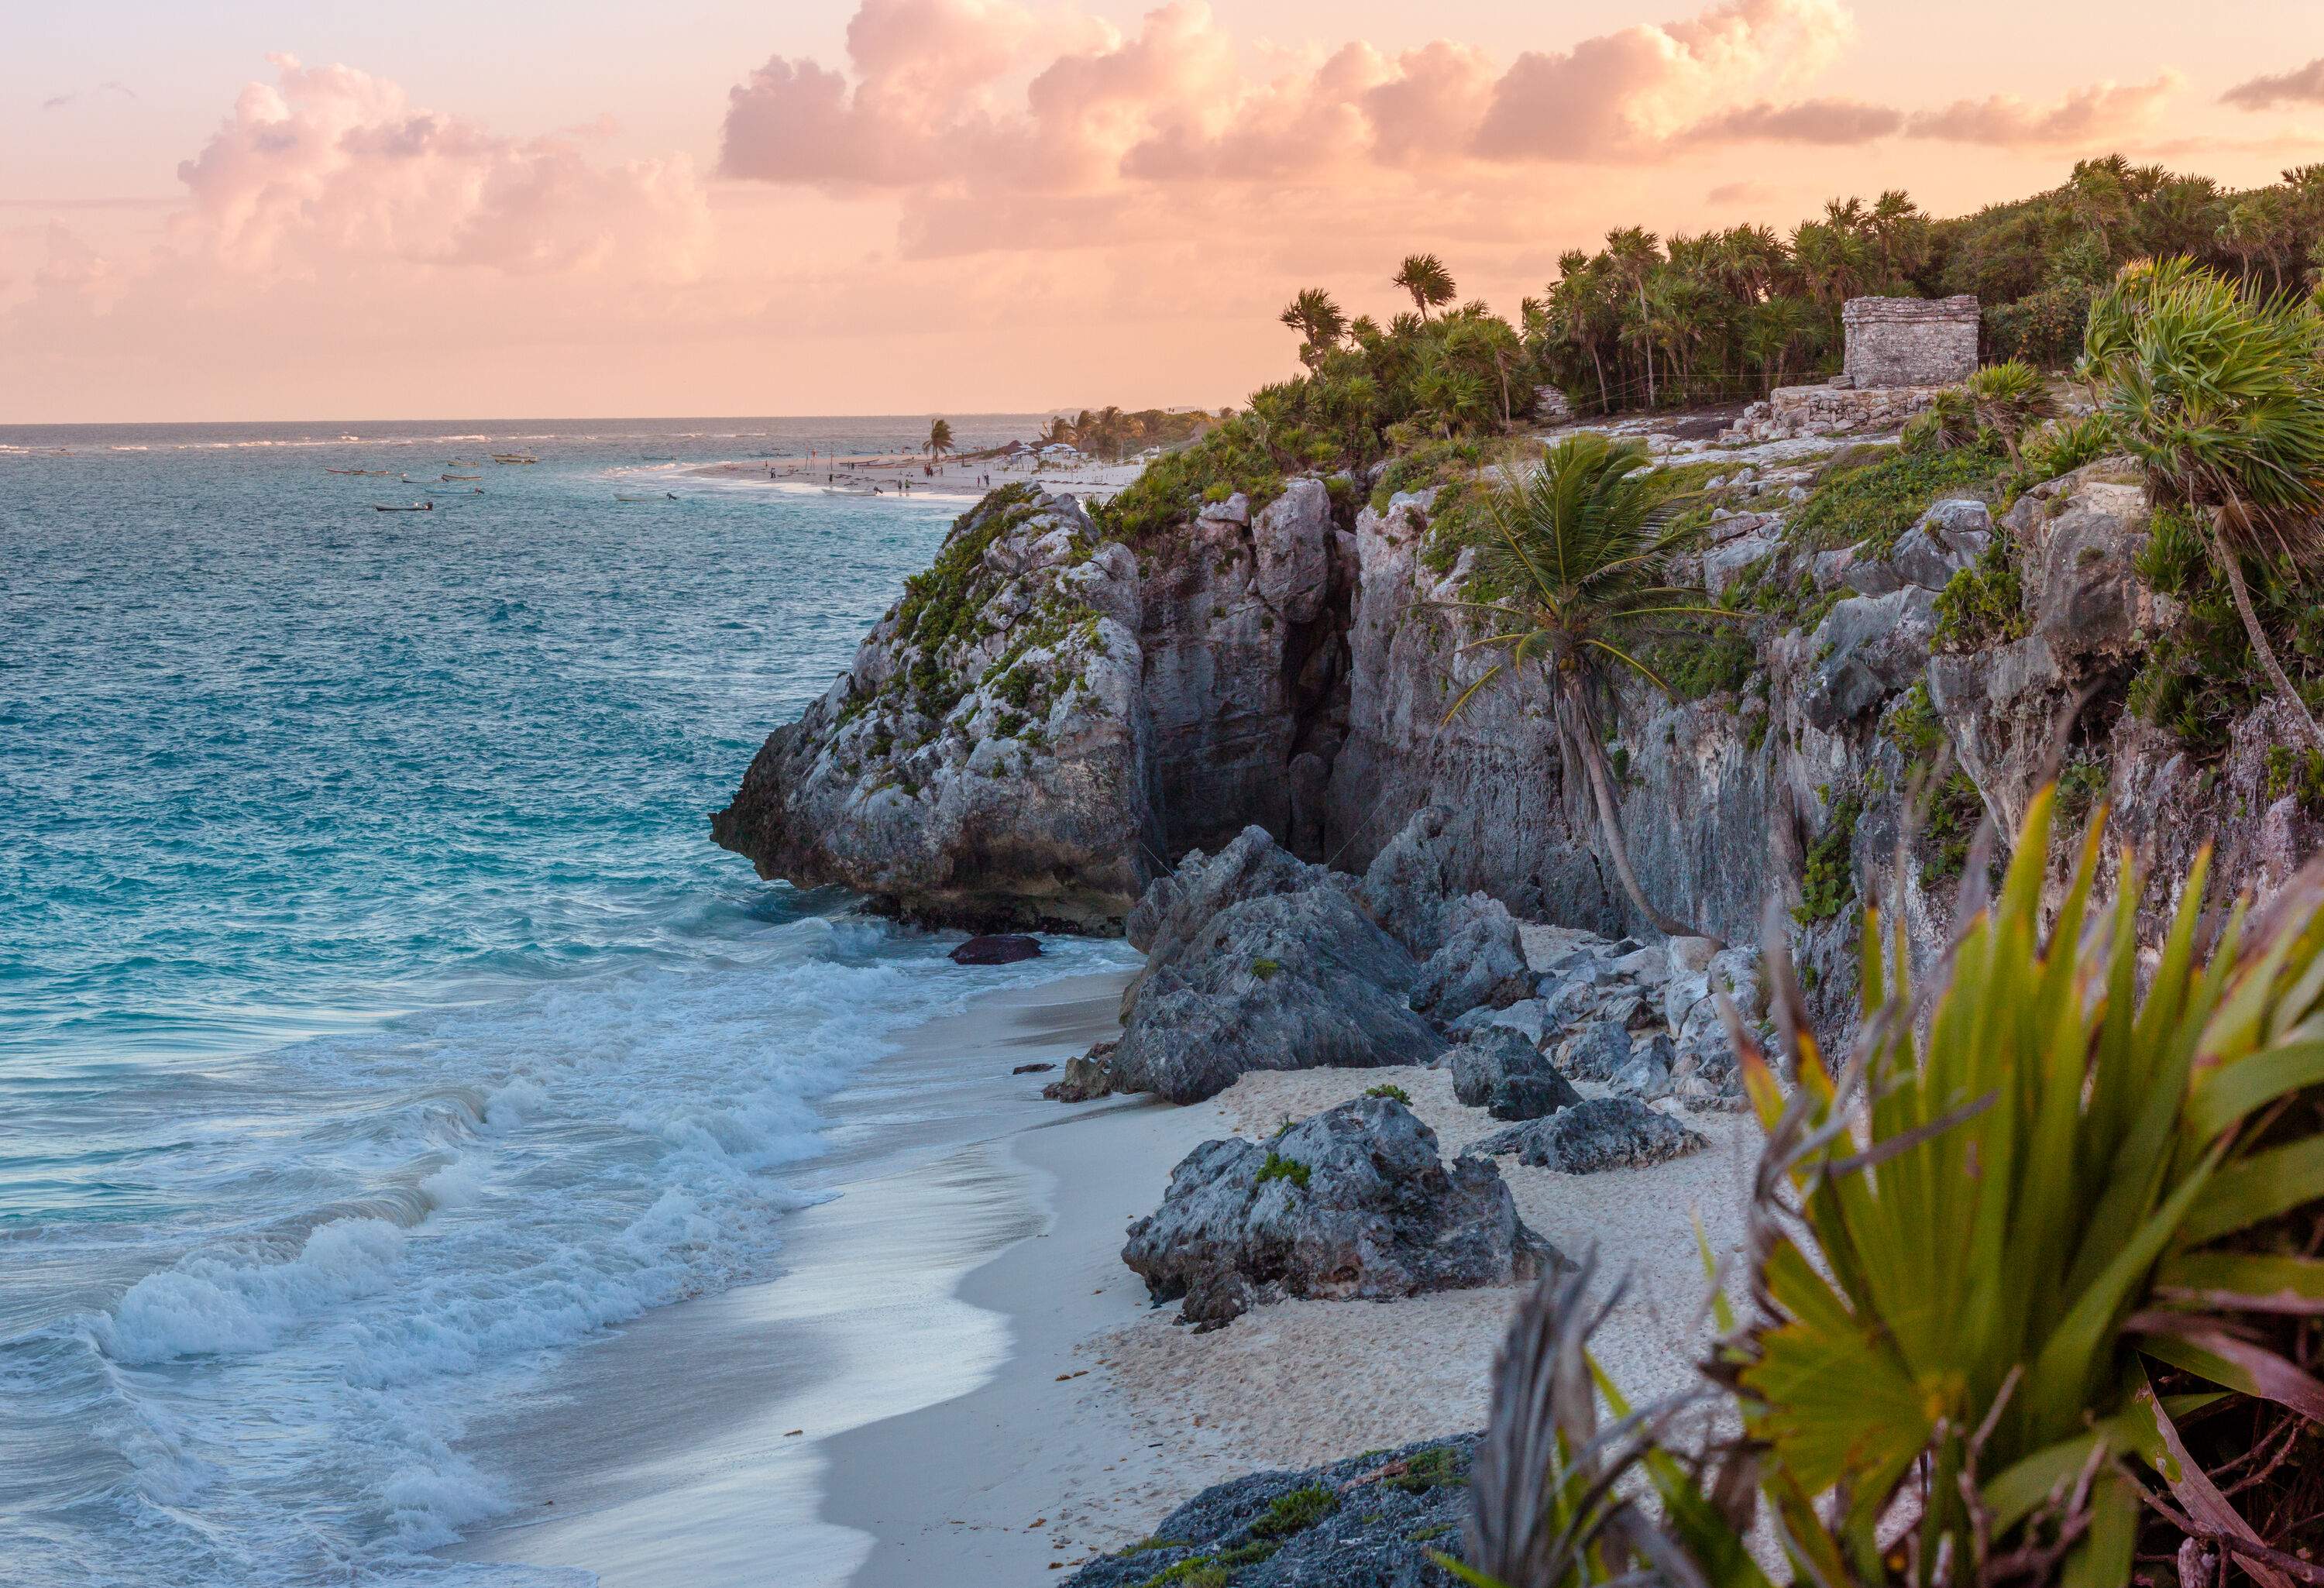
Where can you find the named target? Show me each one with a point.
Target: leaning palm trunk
(2231, 565)
(1580, 731)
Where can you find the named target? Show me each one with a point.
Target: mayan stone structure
(1909, 341)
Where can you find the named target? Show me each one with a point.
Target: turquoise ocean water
(376, 1020)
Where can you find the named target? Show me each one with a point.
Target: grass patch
(2202, 678)
(1437, 1468)
(1394, 1094)
(1280, 1168)
(1422, 1535)
(1295, 1512)
(1266, 970)
(1878, 501)
(2298, 772)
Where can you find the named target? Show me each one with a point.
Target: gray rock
(1482, 961)
(1359, 1204)
(1602, 1134)
(1598, 1051)
(1530, 1097)
(1088, 1076)
(1949, 537)
(1390, 1510)
(1406, 887)
(1292, 538)
(1290, 981)
(1722, 565)
(1489, 1059)
(1646, 1073)
(2087, 595)
(1529, 1018)
(961, 791)
(1649, 967)
(1867, 649)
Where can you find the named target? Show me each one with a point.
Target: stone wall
(1791, 412)
(1909, 341)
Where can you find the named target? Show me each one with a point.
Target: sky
(264, 210)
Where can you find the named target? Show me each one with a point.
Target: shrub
(1280, 1168)
(1828, 881)
(1266, 970)
(2024, 1264)
(1982, 604)
(1394, 1094)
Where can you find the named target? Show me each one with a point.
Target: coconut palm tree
(2219, 398)
(1424, 276)
(1319, 321)
(1572, 563)
(939, 441)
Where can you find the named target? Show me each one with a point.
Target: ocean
(378, 1025)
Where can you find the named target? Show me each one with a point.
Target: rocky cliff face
(1046, 715)
(985, 760)
(1047, 721)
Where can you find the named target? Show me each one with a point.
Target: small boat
(514, 457)
(343, 471)
(460, 476)
(415, 507)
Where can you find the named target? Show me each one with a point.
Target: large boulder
(1352, 1202)
(1376, 1520)
(1408, 887)
(1482, 963)
(985, 760)
(1498, 1070)
(1602, 1134)
(1258, 961)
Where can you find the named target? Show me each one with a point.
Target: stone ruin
(1908, 341)
(1901, 351)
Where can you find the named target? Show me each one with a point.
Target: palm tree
(1581, 311)
(1318, 321)
(2218, 397)
(1574, 561)
(1424, 276)
(1633, 253)
(2009, 399)
(939, 441)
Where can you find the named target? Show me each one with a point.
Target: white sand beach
(1105, 1413)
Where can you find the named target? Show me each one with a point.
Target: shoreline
(897, 477)
(956, 1378)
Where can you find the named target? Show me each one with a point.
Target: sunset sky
(268, 210)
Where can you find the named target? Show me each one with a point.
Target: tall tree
(1424, 276)
(1574, 570)
(1319, 321)
(939, 441)
(2220, 399)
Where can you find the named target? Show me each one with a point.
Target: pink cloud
(923, 101)
(1623, 94)
(1806, 121)
(2301, 85)
(329, 162)
(2099, 111)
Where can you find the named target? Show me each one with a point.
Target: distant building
(1908, 341)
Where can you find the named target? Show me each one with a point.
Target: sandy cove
(1104, 1415)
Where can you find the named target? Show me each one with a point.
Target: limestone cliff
(1047, 720)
